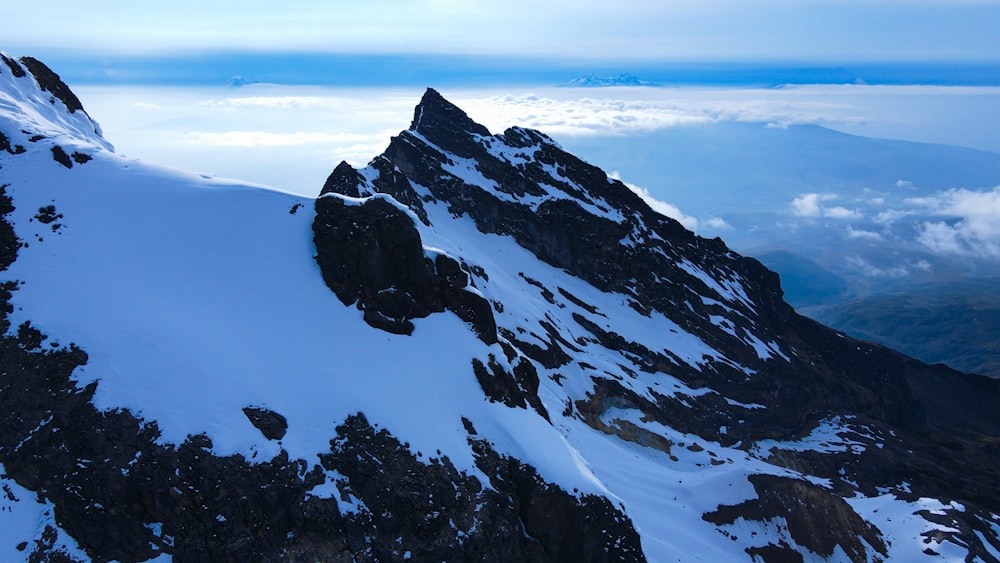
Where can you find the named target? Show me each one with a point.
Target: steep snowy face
(656, 297)
(642, 331)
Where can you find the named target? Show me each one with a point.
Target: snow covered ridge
(31, 94)
(478, 347)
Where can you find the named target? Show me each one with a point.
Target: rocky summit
(476, 348)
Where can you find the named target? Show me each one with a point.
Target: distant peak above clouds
(595, 81)
(240, 80)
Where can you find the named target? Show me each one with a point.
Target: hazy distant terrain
(850, 223)
(955, 323)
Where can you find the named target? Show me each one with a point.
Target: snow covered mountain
(478, 347)
(595, 81)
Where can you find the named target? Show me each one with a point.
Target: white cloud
(972, 227)
(589, 115)
(570, 111)
(867, 269)
(918, 113)
(892, 215)
(717, 223)
(841, 213)
(941, 238)
(661, 207)
(808, 205)
(863, 234)
(811, 206)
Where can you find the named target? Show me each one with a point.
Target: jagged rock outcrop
(815, 519)
(792, 372)
(49, 81)
(370, 254)
(271, 424)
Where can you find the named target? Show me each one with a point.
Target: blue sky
(626, 30)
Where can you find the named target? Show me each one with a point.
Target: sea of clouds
(291, 137)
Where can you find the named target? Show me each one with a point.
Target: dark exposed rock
(470, 307)
(370, 253)
(81, 158)
(418, 507)
(775, 553)
(9, 242)
(391, 181)
(552, 517)
(546, 293)
(577, 301)
(516, 388)
(49, 81)
(551, 356)
(48, 214)
(646, 359)
(498, 383)
(271, 424)
(15, 68)
(446, 125)
(343, 180)
(816, 519)
(60, 156)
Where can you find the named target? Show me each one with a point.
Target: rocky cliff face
(573, 377)
(779, 375)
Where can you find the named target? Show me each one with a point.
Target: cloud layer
(956, 222)
(970, 225)
(245, 132)
(629, 110)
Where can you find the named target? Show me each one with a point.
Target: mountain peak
(439, 120)
(595, 81)
(49, 81)
(38, 102)
(343, 180)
